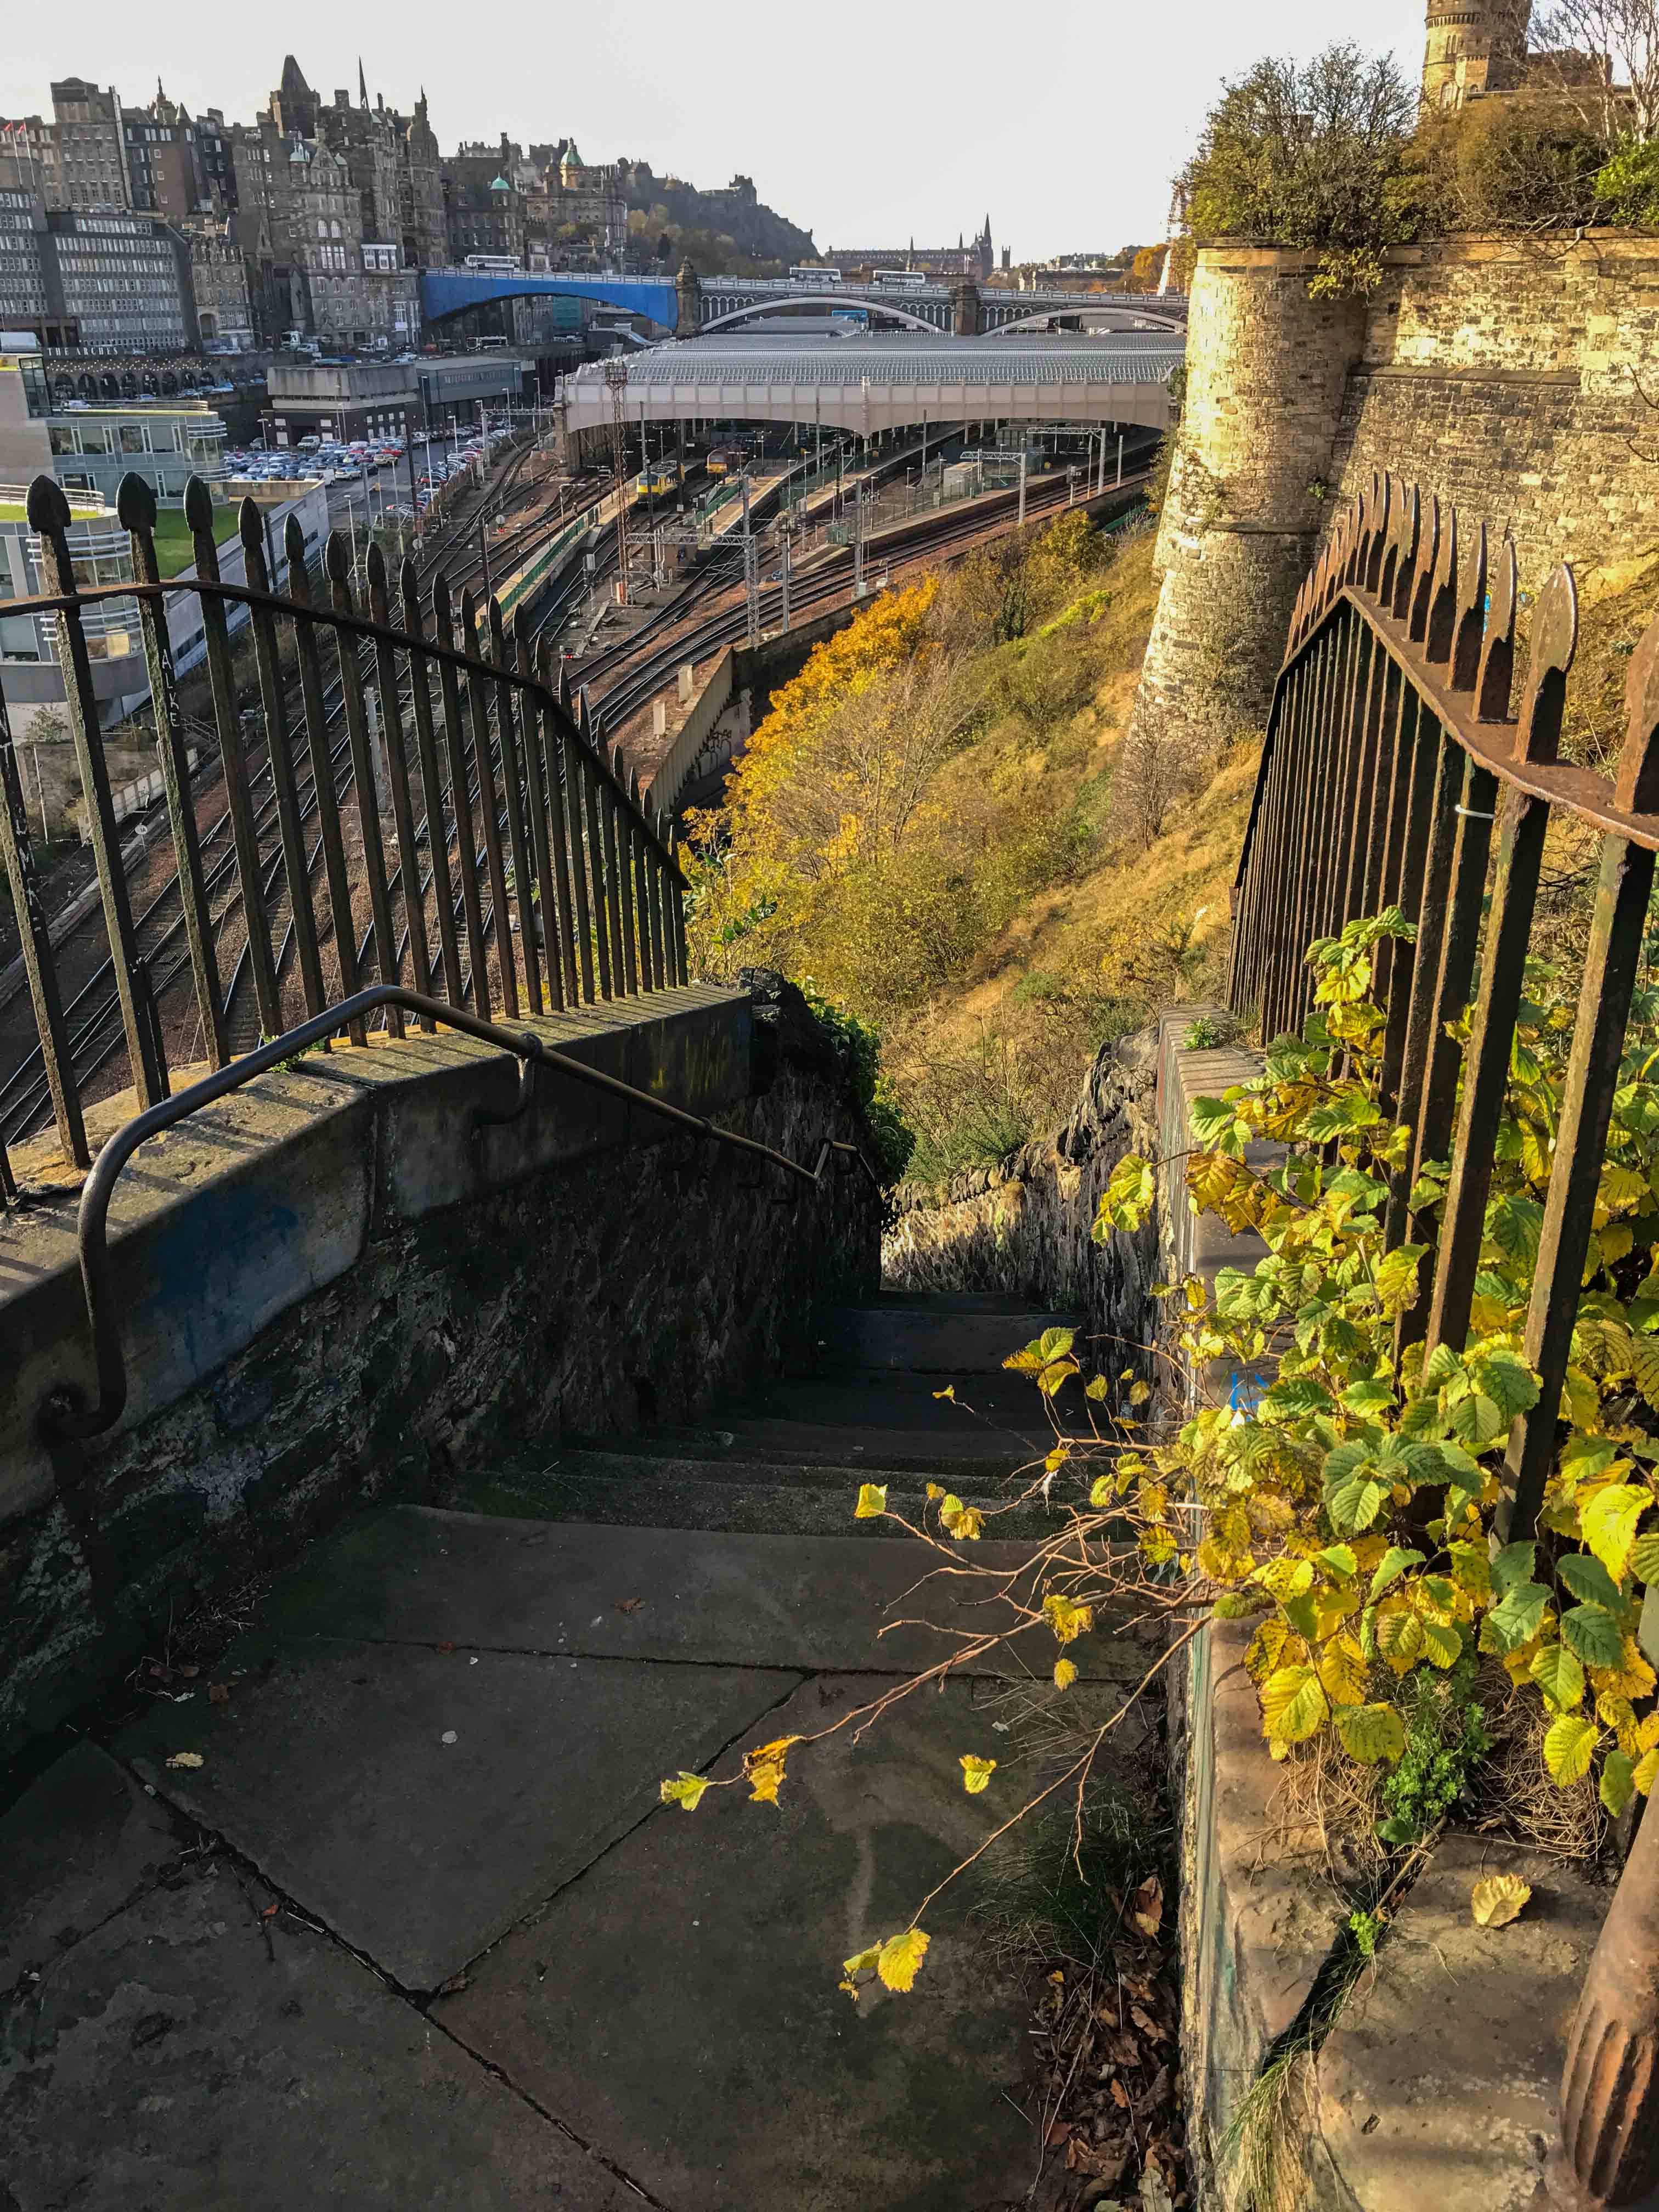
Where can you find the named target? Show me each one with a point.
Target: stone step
(737, 1498)
(937, 1332)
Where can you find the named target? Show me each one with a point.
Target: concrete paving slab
(193, 2057)
(417, 1575)
(681, 1999)
(1438, 2085)
(79, 1843)
(419, 1802)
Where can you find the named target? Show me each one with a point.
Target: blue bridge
(447, 291)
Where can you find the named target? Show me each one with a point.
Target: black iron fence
(1392, 767)
(395, 791)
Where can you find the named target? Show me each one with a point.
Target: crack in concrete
(212, 1843)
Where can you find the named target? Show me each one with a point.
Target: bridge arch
(1137, 319)
(753, 307)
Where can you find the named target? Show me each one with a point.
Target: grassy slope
(1092, 953)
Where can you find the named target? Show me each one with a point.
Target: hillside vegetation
(938, 825)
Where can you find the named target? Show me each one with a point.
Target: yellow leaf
(1065, 1673)
(1399, 1633)
(1371, 1733)
(965, 1521)
(1499, 1899)
(873, 1501)
(1293, 1704)
(763, 1768)
(899, 1959)
(1342, 1671)
(976, 1772)
(1647, 1768)
(861, 1962)
(1608, 1521)
(1568, 1746)
(1069, 1619)
(949, 1391)
(185, 1758)
(683, 1789)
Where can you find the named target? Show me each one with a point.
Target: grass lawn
(175, 547)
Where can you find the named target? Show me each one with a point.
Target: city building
(176, 167)
(219, 282)
(976, 258)
(25, 303)
(378, 399)
(93, 447)
(324, 195)
(29, 158)
(91, 146)
(30, 677)
(122, 280)
(483, 206)
(111, 282)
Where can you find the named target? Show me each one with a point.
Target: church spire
(362, 83)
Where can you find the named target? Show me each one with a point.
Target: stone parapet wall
(334, 1286)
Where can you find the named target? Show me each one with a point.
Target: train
(657, 477)
(721, 463)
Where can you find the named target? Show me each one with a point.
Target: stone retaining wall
(1505, 375)
(331, 1286)
(1025, 1226)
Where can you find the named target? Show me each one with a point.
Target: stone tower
(1473, 46)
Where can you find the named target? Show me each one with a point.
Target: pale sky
(868, 122)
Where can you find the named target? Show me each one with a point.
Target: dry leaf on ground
(1499, 1899)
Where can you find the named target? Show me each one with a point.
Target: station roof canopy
(869, 384)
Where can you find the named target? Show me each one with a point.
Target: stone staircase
(791, 1459)
(379, 1904)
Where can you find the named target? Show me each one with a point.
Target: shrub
(1312, 155)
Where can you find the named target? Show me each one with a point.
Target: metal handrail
(64, 1412)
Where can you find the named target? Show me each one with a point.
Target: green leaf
(1593, 1634)
(1370, 1395)
(1561, 1677)
(1568, 1748)
(1515, 1224)
(1442, 1643)
(1371, 1733)
(683, 1790)
(1478, 1419)
(1588, 1579)
(1516, 1563)
(1505, 1379)
(1516, 1620)
(873, 1501)
(1340, 1561)
(1617, 1783)
(1645, 1556)
(1354, 1494)
(1392, 1564)
(1303, 1614)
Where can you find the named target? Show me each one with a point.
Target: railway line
(93, 1013)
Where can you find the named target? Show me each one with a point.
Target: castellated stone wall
(1504, 375)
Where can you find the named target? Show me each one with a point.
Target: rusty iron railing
(402, 793)
(1393, 766)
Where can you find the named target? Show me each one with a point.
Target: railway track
(93, 1014)
(618, 701)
